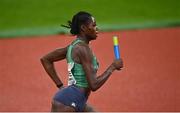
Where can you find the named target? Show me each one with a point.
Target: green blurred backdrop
(43, 17)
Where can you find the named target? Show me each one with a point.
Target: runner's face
(92, 29)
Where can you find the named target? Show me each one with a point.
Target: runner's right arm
(94, 81)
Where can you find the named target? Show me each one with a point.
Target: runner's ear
(83, 28)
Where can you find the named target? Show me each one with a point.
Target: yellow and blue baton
(116, 47)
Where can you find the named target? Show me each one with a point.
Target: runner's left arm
(48, 64)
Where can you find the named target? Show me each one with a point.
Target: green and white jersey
(76, 73)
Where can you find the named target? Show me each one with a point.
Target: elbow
(93, 85)
(43, 60)
(93, 88)
(46, 62)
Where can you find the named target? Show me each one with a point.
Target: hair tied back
(67, 26)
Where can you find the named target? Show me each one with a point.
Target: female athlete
(82, 67)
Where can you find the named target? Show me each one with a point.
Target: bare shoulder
(82, 48)
(82, 53)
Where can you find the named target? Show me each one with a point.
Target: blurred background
(149, 38)
(42, 17)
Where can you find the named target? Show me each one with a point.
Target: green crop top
(76, 73)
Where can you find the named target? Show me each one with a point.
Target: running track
(150, 80)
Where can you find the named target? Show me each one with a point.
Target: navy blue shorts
(71, 96)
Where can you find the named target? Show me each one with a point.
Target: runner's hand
(118, 64)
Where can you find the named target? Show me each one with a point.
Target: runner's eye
(94, 25)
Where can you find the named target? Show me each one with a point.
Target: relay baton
(116, 47)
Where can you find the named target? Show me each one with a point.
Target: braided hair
(78, 19)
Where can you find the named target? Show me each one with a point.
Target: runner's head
(83, 23)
